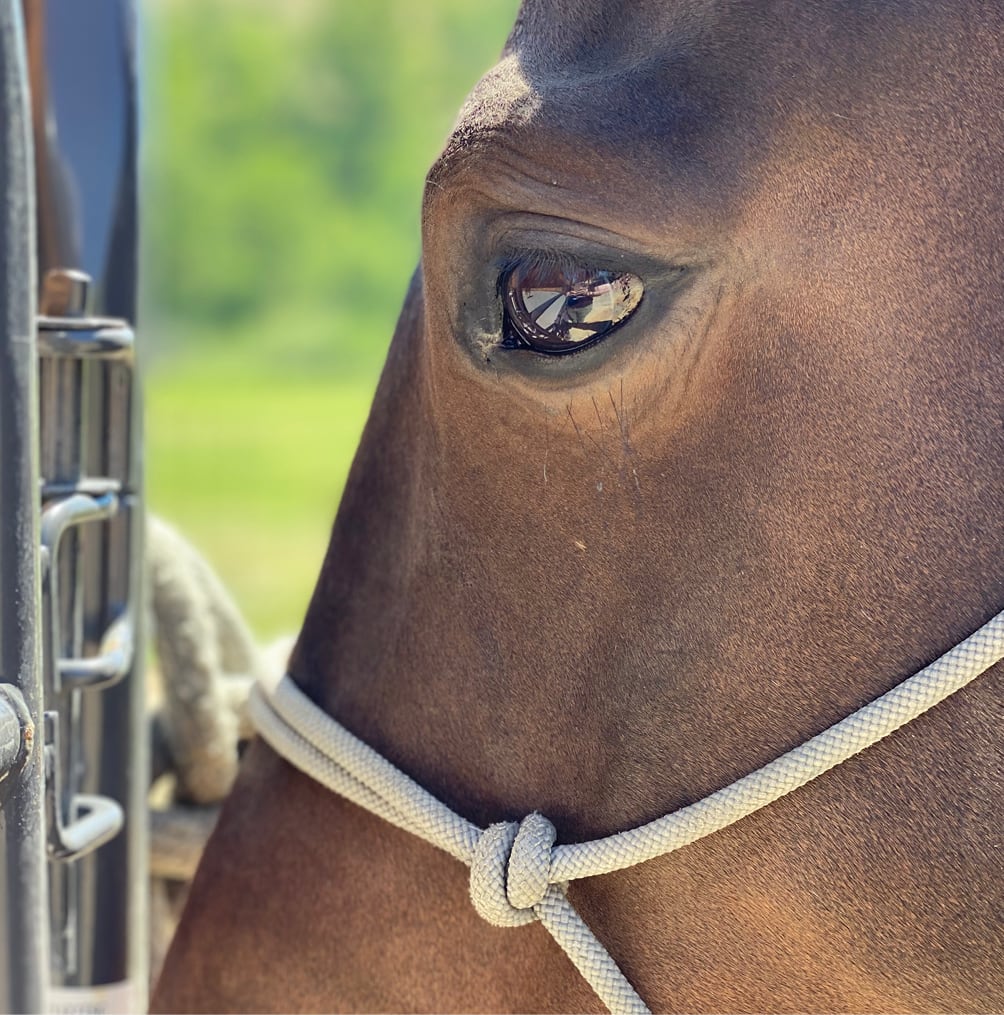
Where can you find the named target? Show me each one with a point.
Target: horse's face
(769, 466)
(604, 583)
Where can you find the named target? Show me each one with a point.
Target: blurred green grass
(251, 471)
(284, 151)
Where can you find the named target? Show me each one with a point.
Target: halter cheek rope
(518, 875)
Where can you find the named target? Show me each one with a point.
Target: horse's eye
(559, 309)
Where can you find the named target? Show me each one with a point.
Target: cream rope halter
(518, 875)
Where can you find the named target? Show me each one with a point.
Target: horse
(687, 445)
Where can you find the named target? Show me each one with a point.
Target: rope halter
(518, 874)
(510, 870)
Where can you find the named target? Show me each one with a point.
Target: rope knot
(510, 870)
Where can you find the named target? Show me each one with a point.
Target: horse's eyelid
(545, 260)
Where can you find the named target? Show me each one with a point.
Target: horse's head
(771, 490)
(598, 556)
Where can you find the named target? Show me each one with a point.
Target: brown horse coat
(604, 585)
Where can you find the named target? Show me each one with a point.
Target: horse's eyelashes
(556, 309)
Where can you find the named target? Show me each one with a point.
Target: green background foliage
(285, 145)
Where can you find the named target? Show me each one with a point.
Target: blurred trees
(285, 144)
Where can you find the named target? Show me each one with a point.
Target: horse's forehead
(589, 122)
(613, 68)
(566, 36)
(673, 113)
(619, 60)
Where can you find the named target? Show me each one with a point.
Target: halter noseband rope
(517, 873)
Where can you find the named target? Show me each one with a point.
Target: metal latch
(116, 656)
(91, 820)
(81, 822)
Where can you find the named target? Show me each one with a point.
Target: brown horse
(602, 560)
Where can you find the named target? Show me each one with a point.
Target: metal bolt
(16, 730)
(64, 293)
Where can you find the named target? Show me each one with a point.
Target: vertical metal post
(83, 92)
(24, 964)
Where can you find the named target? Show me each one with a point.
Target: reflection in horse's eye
(558, 309)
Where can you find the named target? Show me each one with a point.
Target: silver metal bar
(85, 339)
(78, 823)
(98, 820)
(93, 486)
(83, 85)
(91, 820)
(82, 61)
(76, 509)
(58, 518)
(113, 663)
(24, 954)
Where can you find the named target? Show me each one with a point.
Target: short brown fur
(604, 587)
